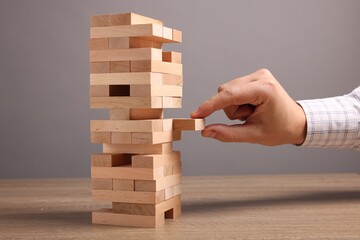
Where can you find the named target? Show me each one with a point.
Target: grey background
(312, 47)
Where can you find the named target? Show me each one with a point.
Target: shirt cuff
(331, 122)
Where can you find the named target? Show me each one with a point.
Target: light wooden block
(149, 31)
(118, 42)
(169, 192)
(120, 138)
(177, 35)
(99, 91)
(132, 54)
(177, 189)
(177, 168)
(155, 90)
(154, 160)
(123, 184)
(120, 66)
(102, 184)
(99, 67)
(172, 79)
(134, 208)
(110, 160)
(171, 102)
(153, 125)
(136, 42)
(126, 172)
(142, 114)
(138, 148)
(168, 170)
(189, 124)
(131, 19)
(100, 20)
(119, 114)
(157, 66)
(99, 44)
(129, 196)
(101, 137)
(154, 137)
(174, 57)
(108, 217)
(167, 33)
(159, 184)
(135, 78)
(126, 102)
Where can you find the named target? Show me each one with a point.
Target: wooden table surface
(324, 206)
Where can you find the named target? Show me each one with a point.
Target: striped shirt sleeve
(333, 122)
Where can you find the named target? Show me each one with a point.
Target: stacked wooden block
(131, 76)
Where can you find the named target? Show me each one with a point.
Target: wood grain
(311, 206)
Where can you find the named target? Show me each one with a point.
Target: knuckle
(221, 88)
(264, 72)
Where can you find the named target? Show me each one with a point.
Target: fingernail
(209, 133)
(194, 113)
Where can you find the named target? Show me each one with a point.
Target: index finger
(236, 95)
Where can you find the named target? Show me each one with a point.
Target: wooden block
(126, 54)
(167, 33)
(177, 35)
(126, 102)
(159, 184)
(100, 20)
(110, 160)
(99, 44)
(128, 196)
(153, 125)
(132, 19)
(118, 42)
(120, 66)
(168, 170)
(138, 148)
(99, 67)
(123, 184)
(171, 207)
(120, 138)
(189, 124)
(101, 137)
(137, 42)
(127, 78)
(169, 192)
(174, 57)
(171, 102)
(126, 172)
(154, 160)
(154, 137)
(177, 189)
(142, 114)
(134, 208)
(172, 79)
(99, 91)
(108, 217)
(177, 168)
(119, 114)
(102, 183)
(155, 65)
(149, 31)
(155, 90)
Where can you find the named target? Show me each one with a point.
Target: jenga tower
(131, 76)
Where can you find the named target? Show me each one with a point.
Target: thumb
(230, 133)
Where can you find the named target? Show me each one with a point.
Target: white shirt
(333, 122)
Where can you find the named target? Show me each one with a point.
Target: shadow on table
(65, 218)
(217, 204)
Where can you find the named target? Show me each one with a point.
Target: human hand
(271, 116)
